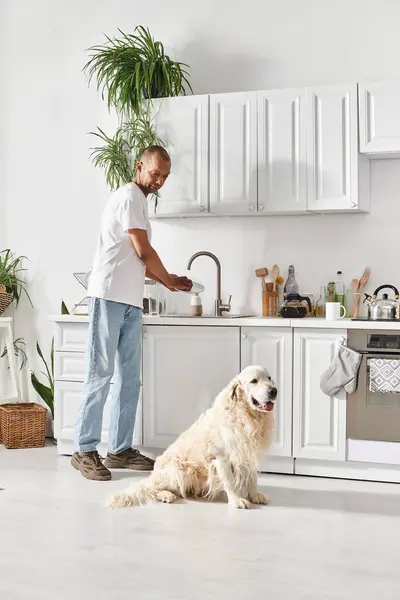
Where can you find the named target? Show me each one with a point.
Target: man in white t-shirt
(123, 258)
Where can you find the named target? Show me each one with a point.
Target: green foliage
(10, 274)
(135, 67)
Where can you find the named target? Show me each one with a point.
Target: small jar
(196, 308)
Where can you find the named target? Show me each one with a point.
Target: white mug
(332, 311)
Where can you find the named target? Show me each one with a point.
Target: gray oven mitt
(342, 372)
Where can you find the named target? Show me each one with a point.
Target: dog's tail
(135, 495)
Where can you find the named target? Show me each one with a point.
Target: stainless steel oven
(371, 414)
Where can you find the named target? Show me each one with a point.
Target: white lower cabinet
(272, 348)
(67, 399)
(184, 368)
(319, 421)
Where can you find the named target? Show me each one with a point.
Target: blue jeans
(114, 348)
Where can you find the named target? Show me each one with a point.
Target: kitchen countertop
(310, 323)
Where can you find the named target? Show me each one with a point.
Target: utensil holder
(269, 304)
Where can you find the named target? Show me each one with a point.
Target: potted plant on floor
(46, 390)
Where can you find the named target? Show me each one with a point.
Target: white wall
(51, 197)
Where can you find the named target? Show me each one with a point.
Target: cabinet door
(379, 110)
(282, 153)
(182, 123)
(233, 153)
(272, 348)
(332, 148)
(67, 399)
(184, 368)
(319, 421)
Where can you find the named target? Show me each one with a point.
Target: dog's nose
(273, 392)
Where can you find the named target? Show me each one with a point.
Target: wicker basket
(5, 299)
(23, 425)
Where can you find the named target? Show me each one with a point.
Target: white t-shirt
(118, 274)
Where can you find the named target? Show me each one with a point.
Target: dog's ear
(234, 390)
(237, 391)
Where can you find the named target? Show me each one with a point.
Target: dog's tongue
(266, 406)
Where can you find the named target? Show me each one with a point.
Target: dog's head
(255, 386)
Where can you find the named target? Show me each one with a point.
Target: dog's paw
(259, 498)
(166, 496)
(240, 503)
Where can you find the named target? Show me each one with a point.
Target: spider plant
(120, 154)
(133, 67)
(19, 351)
(10, 275)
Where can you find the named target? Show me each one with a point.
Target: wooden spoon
(354, 285)
(275, 275)
(361, 286)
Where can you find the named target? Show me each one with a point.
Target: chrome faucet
(219, 306)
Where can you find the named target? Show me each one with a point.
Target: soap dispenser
(196, 308)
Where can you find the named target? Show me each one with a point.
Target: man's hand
(180, 283)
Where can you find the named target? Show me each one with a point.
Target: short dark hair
(150, 150)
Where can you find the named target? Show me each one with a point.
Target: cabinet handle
(202, 208)
(244, 336)
(353, 204)
(251, 207)
(261, 207)
(144, 335)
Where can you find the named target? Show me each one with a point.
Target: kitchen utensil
(295, 306)
(361, 286)
(354, 286)
(269, 304)
(279, 280)
(262, 274)
(275, 274)
(385, 308)
(333, 310)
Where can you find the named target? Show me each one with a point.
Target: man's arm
(153, 263)
(151, 275)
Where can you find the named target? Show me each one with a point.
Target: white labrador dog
(219, 453)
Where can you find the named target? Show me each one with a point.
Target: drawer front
(70, 337)
(69, 366)
(67, 399)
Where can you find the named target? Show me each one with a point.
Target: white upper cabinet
(182, 123)
(379, 109)
(335, 173)
(233, 153)
(282, 152)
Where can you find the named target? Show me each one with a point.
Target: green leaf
(64, 309)
(45, 363)
(44, 392)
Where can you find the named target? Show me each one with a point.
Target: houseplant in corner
(46, 390)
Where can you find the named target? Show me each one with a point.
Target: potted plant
(135, 67)
(46, 390)
(11, 284)
(120, 154)
(131, 71)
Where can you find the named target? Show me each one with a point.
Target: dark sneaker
(90, 465)
(129, 459)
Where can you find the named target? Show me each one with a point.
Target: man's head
(153, 169)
